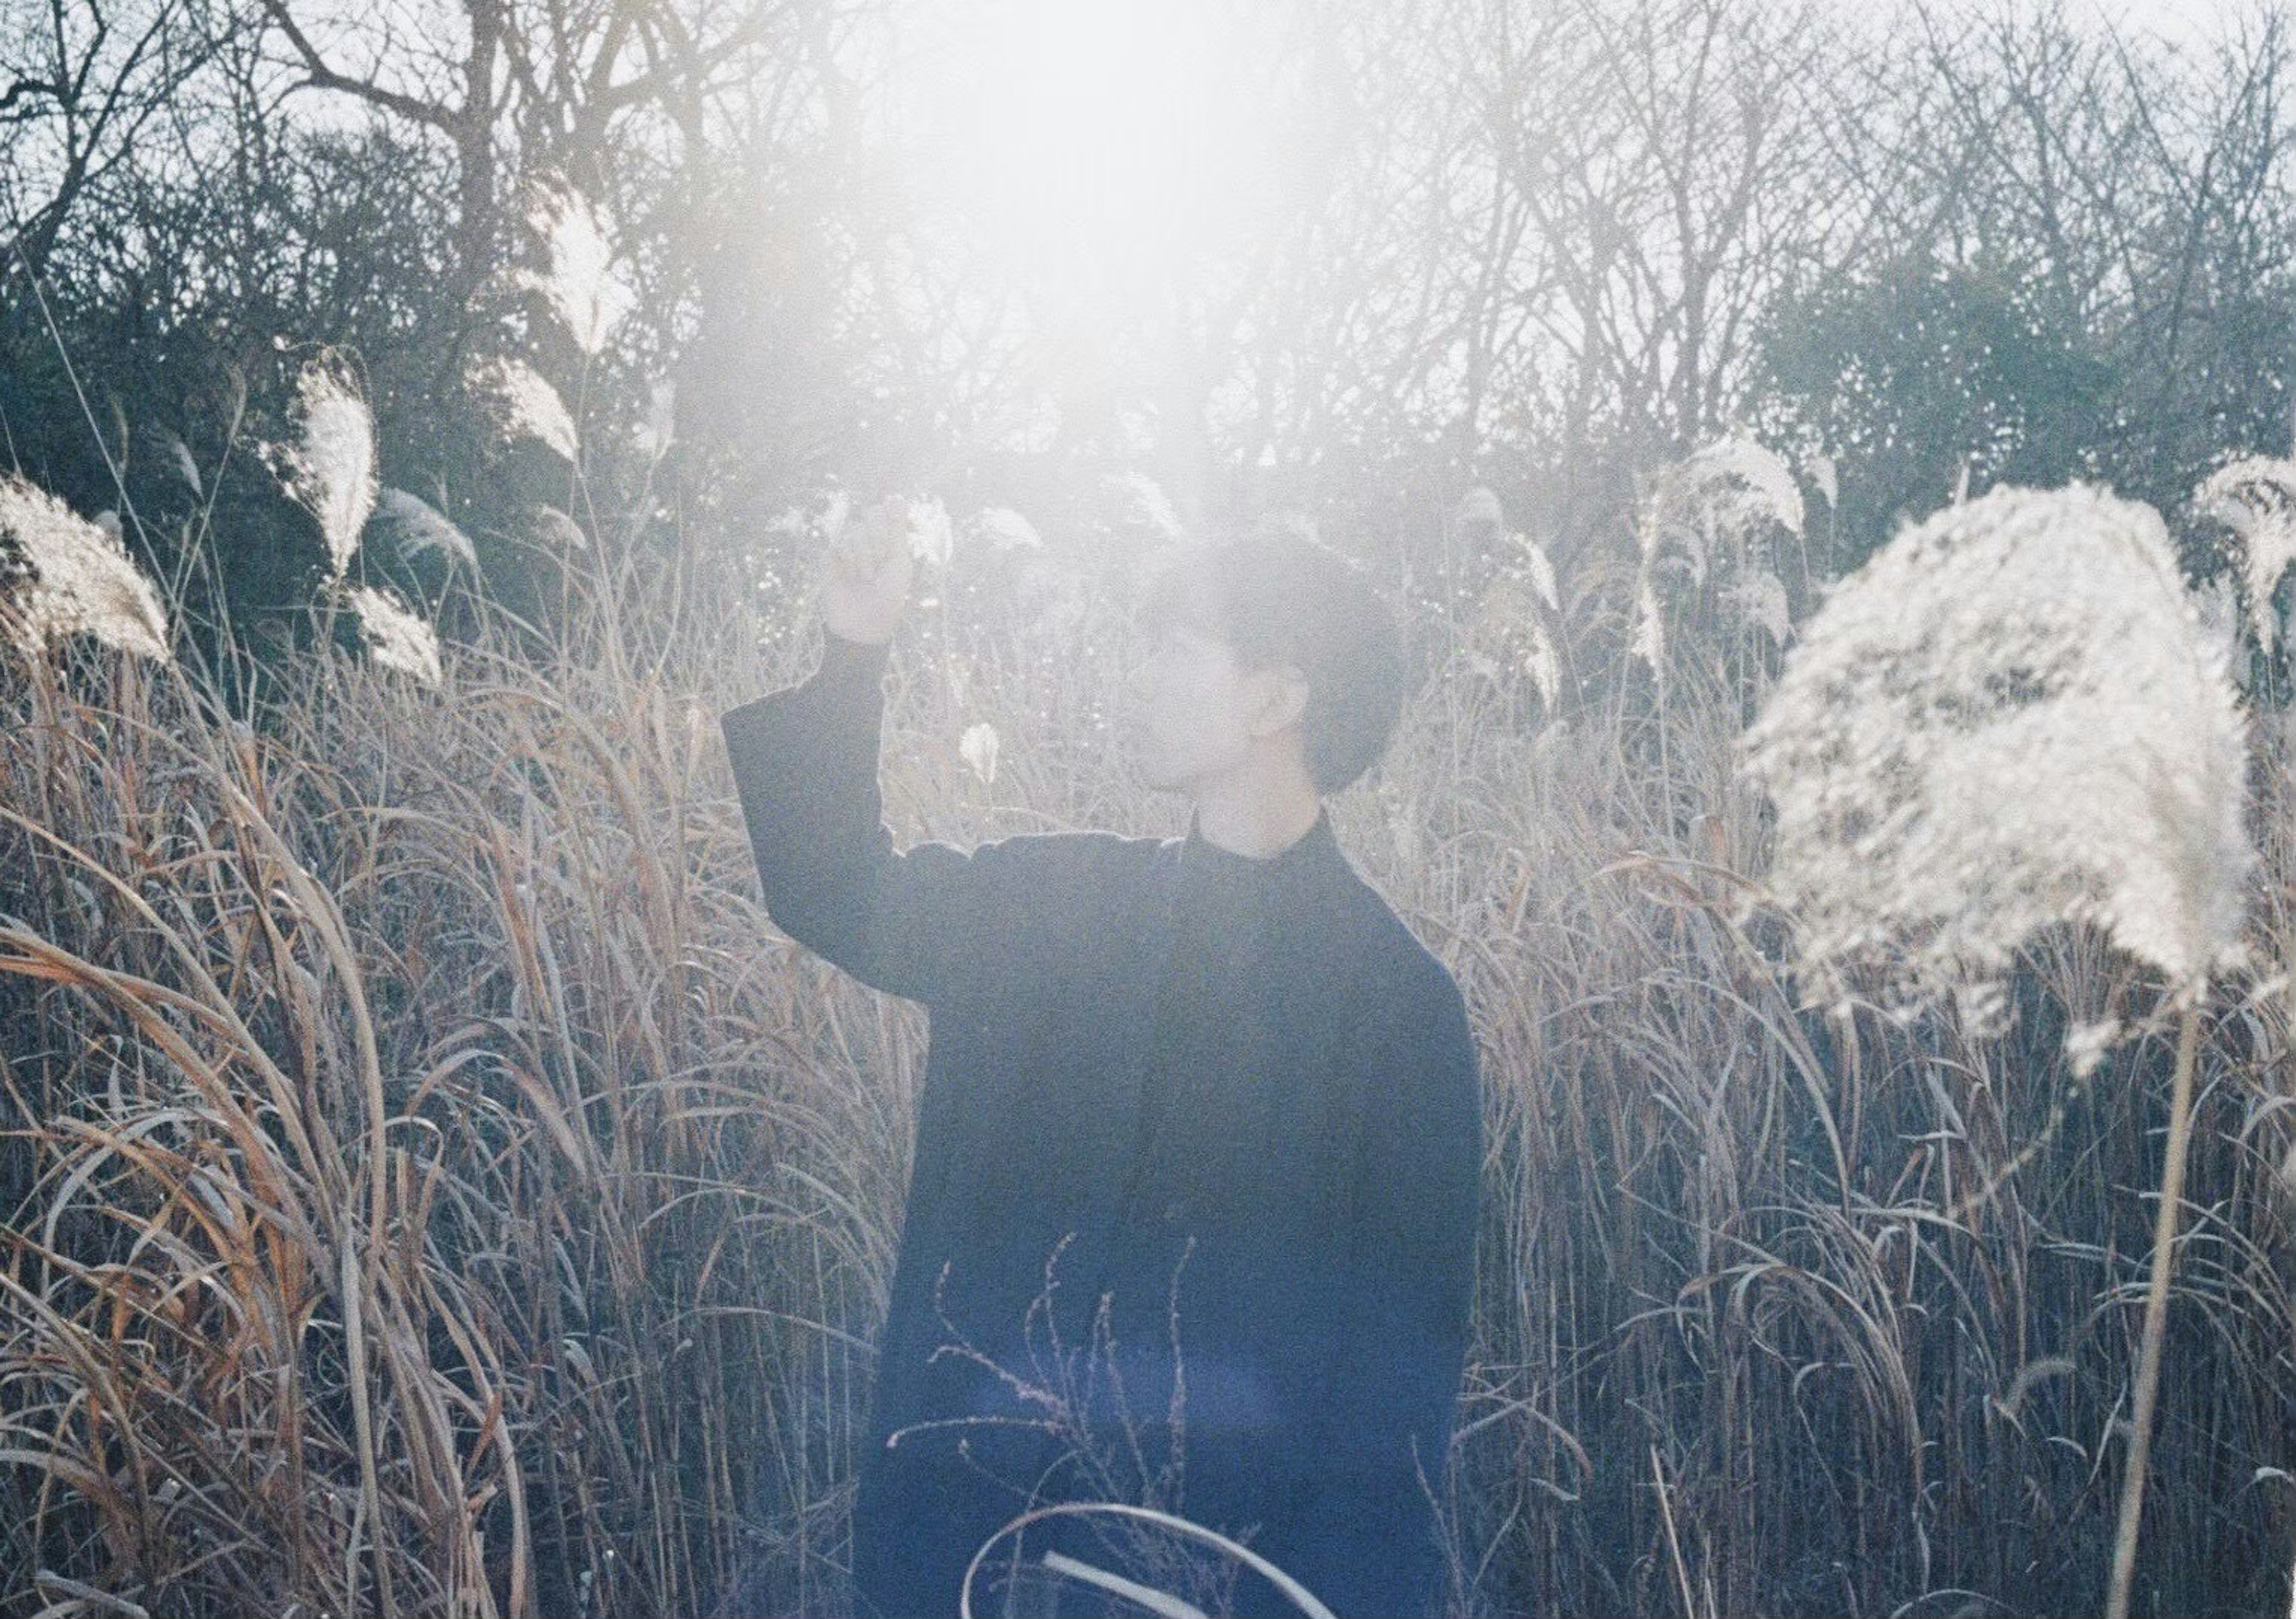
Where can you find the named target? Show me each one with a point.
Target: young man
(1200, 1133)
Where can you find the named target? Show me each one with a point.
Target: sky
(2189, 23)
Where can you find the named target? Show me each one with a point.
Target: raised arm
(805, 764)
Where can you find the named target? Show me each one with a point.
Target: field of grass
(431, 1185)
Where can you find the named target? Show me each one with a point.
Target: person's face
(1197, 713)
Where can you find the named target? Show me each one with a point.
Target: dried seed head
(1537, 564)
(180, 454)
(330, 470)
(931, 537)
(2011, 717)
(1760, 600)
(1715, 516)
(417, 525)
(1825, 476)
(2255, 497)
(1649, 643)
(1141, 505)
(659, 430)
(396, 637)
(1544, 665)
(1733, 489)
(1479, 509)
(553, 528)
(582, 289)
(524, 406)
(72, 577)
(978, 748)
(1001, 528)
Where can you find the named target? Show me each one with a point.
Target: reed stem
(2156, 1316)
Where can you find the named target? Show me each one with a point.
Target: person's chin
(1158, 780)
(1158, 774)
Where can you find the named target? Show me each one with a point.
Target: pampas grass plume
(1825, 476)
(1141, 505)
(396, 637)
(931, 537)
(417, 525)
(659, 430)
(2255, 497)
(1479, 508)
(524, 406)
(1540, 569)
(581, 284)
(330, 470)
(1001, 528)
(553, 528)
(1736, 481)
(2011, 717)
(1714, 513)
(81, 579)
(978, 748)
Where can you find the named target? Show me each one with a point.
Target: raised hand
(866, 583)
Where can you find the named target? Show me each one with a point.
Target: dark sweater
(1160, 1075)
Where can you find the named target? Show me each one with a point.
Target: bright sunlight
(1094, 150)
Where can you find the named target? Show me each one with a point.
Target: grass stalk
(2156, 1315)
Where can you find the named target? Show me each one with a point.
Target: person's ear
(1279, 699)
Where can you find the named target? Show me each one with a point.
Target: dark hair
(1278, 596)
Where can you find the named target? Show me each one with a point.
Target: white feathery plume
(186, 468)
(1714, 512)
(1541, 569)
(396, 637)
(832, 512)
(1649, 643)
(550, 524)
(2009, 718)
(1143, 504)
(1479, 508)
(1002, 529)
(977, 748)
(81, 579)
(1825, 476)
(2255, 497)
(1734, 484)
(524, 406)
(1540, 662)
(584, 290)
(820, 516)
(659, 430)
(2087, 1043)
(931, 537)
(1760, 599)
(330, 470)
(417, 525)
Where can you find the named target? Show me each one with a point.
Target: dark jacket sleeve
(1358, 1526)
(804, 764)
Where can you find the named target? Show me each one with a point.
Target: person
(1192, 1208)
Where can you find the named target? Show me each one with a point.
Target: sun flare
(1094, 149)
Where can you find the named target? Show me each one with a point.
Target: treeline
(1542, 248)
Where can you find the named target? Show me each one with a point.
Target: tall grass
(432, 1185)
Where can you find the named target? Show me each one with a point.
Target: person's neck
(1257, 812)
